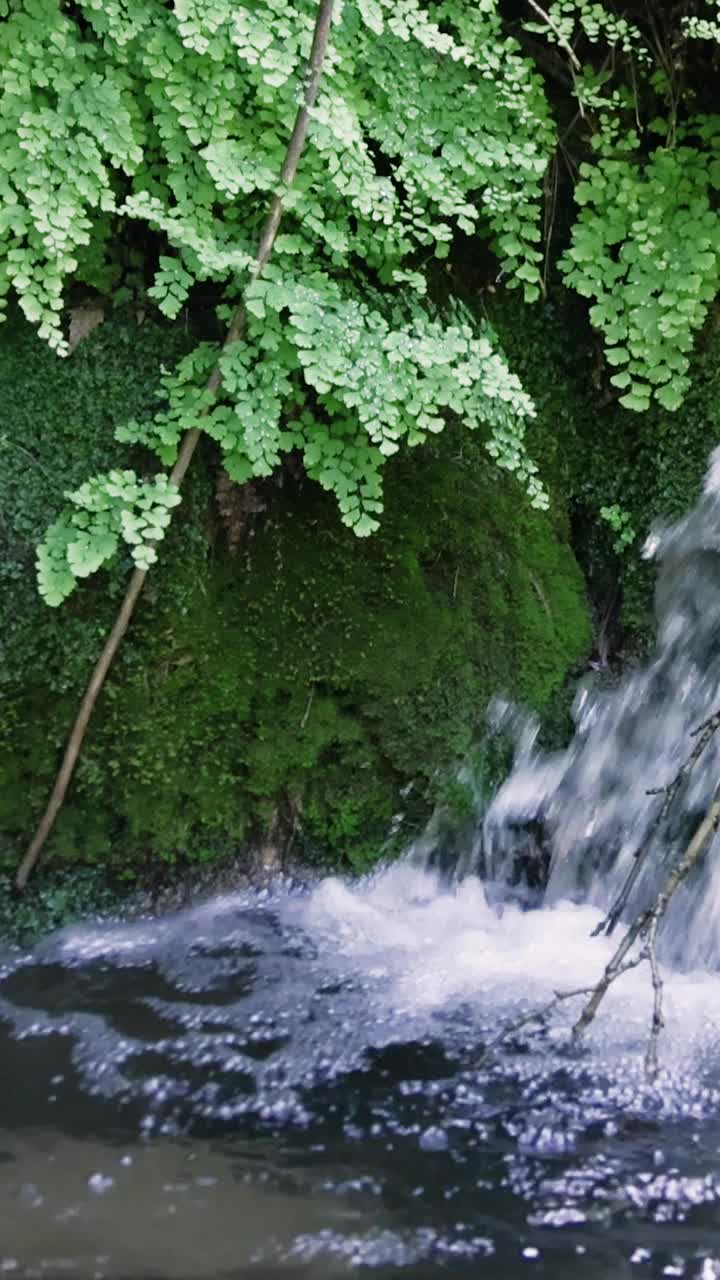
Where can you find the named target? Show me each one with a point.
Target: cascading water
(595, 801)
(293, 1081)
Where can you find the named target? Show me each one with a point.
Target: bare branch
(658, 1022)
(646, 926)
(544, 1012)
(704, 732)
(615, 966)
(534, 1015)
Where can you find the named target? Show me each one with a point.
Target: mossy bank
(301, 687)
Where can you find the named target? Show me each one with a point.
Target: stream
(295, 1081)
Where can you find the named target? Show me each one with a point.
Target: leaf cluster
(106, 510)
(430, 122)
(433, 122)
(646, 250)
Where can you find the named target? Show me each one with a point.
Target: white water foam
(406, 955)
(595, 805)
(276, 1011)
(437, 947)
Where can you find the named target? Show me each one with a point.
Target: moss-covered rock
(312, 686)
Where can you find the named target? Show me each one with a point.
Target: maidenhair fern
(430, 121)
(646, 249)
(105, 511)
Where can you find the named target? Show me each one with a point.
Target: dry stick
(703, 733)
(646, 925)
(613, 969)
(658, 1022)
(535, 1015)
(575, 64)
(187, 449)
(541, 1014)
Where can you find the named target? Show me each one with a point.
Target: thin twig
(614, 969)
(643, 929)
(311, 695)
(550, 211)
(575, 64)
(564, 44)
(6, 443)
(187, 449)
(535, 1015)
(646, 923)
(540, 1015)
(704, 732)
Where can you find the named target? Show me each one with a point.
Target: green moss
(300, 687)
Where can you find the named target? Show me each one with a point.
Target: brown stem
(187, 448)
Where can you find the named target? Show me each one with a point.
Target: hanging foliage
(436, 118)
(430, 121)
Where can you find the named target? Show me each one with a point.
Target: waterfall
(595, 802)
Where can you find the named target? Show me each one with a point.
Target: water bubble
(99, 1183)
(434, 1139)
(29, 1196)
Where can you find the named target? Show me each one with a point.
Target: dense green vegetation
(309, 677)
(486, 337)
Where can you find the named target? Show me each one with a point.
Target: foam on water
(239, 987)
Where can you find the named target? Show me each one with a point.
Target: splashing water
(293, 1081)
(593, 800)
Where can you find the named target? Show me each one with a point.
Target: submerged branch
(658, 1022)
(643, 929)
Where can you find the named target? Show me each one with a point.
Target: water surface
(294, 1083)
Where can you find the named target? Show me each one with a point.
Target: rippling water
(293, 1082)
